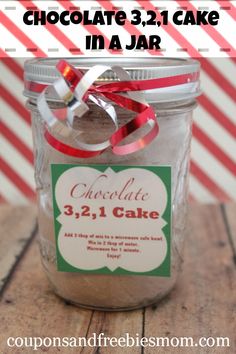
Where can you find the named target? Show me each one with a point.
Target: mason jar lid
(44, 72)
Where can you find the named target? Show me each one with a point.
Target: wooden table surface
(202, 304)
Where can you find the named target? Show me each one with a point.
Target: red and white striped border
(20, 40)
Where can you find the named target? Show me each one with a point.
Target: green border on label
(163, 172)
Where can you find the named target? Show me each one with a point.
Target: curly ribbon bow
(76, 88)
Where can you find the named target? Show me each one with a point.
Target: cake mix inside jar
(111, 200)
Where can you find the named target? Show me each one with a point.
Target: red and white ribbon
(76, 88)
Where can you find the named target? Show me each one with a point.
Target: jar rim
(43, 71)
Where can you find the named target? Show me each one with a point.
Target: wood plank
(203, 302)
(230, 214)
(17, 227)
(29, 308)
(116, 324)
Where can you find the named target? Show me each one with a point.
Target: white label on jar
(112, 219)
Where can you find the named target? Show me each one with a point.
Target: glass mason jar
(173, 107)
